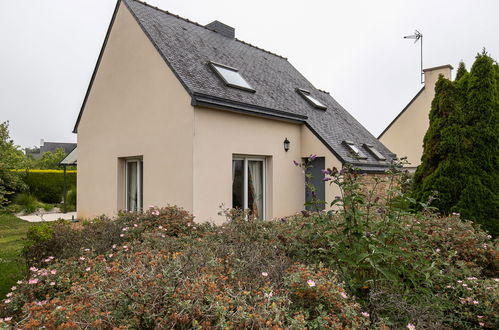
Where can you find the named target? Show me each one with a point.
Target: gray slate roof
(187, 47)
(52, 146)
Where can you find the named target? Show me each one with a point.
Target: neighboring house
(404, 136)
(49, 147)
(184, 114)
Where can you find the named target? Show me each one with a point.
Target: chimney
(431, 75)
(42, 142)
(222, 28)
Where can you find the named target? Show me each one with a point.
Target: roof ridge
(203, 26)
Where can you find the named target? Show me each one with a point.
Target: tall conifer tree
(461, 147)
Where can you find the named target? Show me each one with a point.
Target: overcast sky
(353, 49)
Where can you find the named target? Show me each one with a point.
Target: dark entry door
(315, 169)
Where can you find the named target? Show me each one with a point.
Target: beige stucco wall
(136, 107)
(219, 135)
(405, 135)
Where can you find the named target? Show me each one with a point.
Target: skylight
(310, 99)
(374, 152)
(354, 150)
(231, 77)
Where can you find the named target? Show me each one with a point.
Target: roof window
(374, 152)
(310, 99)
(354, 150)
(231, 77)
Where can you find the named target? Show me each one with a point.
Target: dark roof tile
(188, 47)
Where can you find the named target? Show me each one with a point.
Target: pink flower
(33, 281)
(19, 282)
(311, 283)
(122, 235)
(52, 283)
(365, 314)
(33, 269)
(53, 272)
(87, 269)
(9, 294)
(472, 278)
(135, 225)
(475, 302)
(464, 284)
(125, 246)
(265, 274)
(7, 319)
(82, 258)
(160, 227)
(438, 250)
(86, 250)
(344, 295)
(14, 288)
(481, 324)
(114, 246)
(110, 255)
(7, 301)
(480, 316)
(411, 326)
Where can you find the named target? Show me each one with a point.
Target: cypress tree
(479, 200)
(461, 147)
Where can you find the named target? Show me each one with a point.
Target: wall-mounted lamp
(286, 144)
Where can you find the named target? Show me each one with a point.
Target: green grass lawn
(12, 231)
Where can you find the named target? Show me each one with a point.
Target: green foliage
(71, 197)
(370, 264)
(50, 160)
(48, 185)
(28, 202)
(460, 162)
(10, 157)
(12, 267)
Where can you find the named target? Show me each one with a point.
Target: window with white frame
(133, 184)
(248, 185)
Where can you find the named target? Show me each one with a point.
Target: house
(49, 147)
(405, 134)
(184, 114)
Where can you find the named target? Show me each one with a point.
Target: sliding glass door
(248, 185)
(133, 185)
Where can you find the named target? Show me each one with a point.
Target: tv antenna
(416, 36)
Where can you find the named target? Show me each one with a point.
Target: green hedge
(48, 185)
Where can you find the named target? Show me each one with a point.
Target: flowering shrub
(371, 264)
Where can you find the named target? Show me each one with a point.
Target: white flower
(411, 326)
(265, 274)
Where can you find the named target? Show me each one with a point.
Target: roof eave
(208, 101)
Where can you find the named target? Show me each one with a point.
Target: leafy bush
(48, 185)
(71, 197)
(28, 202)
(368, 264)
